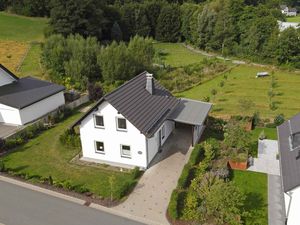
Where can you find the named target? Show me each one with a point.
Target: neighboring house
(128, 126)
(289, 149)
(288, 11)
(284, 25)
(23, 100)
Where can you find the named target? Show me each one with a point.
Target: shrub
(256, 118)
(69, 138)
(2, 166)
(206, 99)
(185, 176)
(81, 189)
(95, 91)
(278, 120)
(173, 208)
(2, 145)
(262, 135)
(123, 190)
(136, 173)
(270, 125)
(197, 154)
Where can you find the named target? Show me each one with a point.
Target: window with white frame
(125, 151)
(99, 147)
(99, 121)
(121, 124)
(163, 132)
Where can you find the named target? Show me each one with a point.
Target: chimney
(150, 83)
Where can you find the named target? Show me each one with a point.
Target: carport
(191, 113)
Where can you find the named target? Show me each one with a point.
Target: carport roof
(190, 112)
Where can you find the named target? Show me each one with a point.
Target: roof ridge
(126, 83)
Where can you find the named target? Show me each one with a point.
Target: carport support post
(192, 135)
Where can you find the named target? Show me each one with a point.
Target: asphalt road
(21, 206)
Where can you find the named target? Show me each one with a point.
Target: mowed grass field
(241, 84)
(176, 55)
(295, 19)
(16, 38)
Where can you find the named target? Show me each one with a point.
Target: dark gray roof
(191, 112)
(289, 157)
(145, 111)
(27, 91)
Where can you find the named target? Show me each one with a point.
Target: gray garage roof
(27, 91)
(191, 112)
(289, 155)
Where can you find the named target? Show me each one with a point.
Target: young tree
(168, 24)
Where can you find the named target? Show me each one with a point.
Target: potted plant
(238, 161)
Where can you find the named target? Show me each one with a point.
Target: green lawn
(31, 65)
(20, 28)
(45, 156)
(295, 19)
(271, 133)
(176, 55)
(255, 187)
(242, 84)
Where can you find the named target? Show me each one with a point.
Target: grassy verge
(294, 19)
(241, 84)
(21, 28)
(176, 55)
(254, 185)
(45, 156)
(31, 65)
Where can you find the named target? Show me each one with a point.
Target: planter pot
(237, 165)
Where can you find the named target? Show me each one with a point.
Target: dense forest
(243, 28)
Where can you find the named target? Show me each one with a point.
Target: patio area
(267, 161)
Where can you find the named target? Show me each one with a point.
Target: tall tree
(168, 24)
(84, 17)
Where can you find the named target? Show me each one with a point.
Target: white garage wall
(9, 115)
(197, 132)
(5, 78)
(112, 139)
(153, 143)
(42, 107)
(293, 211)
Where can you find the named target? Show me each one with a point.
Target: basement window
(99, 147)
(295, 140)
(125, 151)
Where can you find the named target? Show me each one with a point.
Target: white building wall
(153, 143)
(9, 115)
(5, 78)
(112, 139)
(42, 107)
(197, 132)
(292, 206)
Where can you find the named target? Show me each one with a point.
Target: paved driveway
(266, 161)
(7, 130)
(151, 196)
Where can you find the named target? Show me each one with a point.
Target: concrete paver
(266, 161)
(276, 210)
(151, 196)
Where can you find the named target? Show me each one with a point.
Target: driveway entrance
(151, 196)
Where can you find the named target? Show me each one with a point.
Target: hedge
(173, 205)
(197, 154)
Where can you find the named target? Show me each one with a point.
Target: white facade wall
(292, 206)
(9, 115)
(112, 139)
(197, 132)
(5, 78)
(42, 107)
(153, 143)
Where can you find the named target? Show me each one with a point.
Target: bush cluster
(70, 138)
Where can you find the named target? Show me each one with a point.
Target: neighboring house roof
(191, 112)
(27, 91)
(145, 111)
(9, 72)
(289, 150)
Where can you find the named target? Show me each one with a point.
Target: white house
(23, 100)
(289, 149)
(128, 126)
(288, 11)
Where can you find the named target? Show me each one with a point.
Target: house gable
(6, 77)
